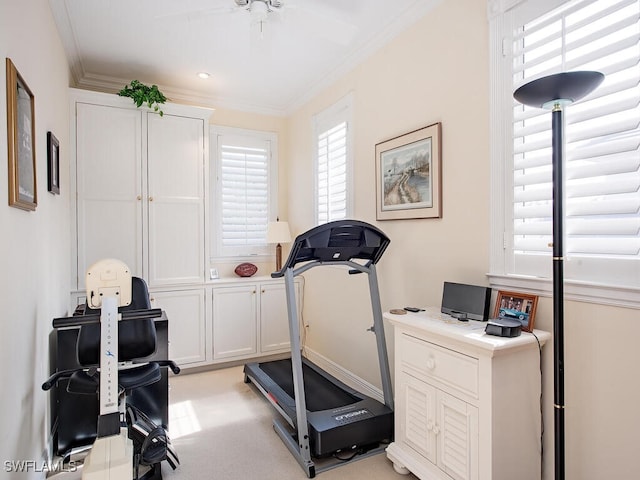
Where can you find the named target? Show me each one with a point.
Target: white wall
(438, 72)
(34, 281)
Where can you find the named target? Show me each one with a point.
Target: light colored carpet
(221, 429)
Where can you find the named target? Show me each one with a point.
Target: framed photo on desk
(517, 306)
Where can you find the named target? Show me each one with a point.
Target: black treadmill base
(341, 420)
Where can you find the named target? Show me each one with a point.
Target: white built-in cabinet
(273, 322)
(176, 198)
(250, 318)
(108, 178)
(235, 332)
(186, 311)
(139, 186)
(467, 404)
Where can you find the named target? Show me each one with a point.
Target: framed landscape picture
(409, 175)
(20, 141)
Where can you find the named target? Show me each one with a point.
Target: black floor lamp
(554, 92)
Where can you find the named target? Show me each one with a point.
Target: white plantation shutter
(332, 174)
(333, 153)
(602, 143)
(245, 195)
(243, 187)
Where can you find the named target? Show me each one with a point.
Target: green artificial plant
(141, 93)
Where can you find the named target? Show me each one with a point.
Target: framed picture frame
(21, 141)
(53, 164)
(409, 175)
(517, 306)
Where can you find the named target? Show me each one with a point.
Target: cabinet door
(234, 322)
(415, 416)
(109, 187)
(457, 433)
(176, 199)
(274, 317)
(185, 311)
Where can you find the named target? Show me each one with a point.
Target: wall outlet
(213, 273)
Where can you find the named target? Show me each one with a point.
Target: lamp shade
(278, 232)
(565, 87)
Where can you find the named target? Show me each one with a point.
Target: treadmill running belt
(320, 394)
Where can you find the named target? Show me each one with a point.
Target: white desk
(467, 403)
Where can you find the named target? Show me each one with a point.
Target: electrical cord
(541, 405)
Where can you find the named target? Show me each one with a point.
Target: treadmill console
(339, 241)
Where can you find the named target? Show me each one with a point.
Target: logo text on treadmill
(346, 416)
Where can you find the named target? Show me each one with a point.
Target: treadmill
(327, 419)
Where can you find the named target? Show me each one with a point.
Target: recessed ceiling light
(203, 75)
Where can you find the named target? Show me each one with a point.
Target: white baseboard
(344, 375)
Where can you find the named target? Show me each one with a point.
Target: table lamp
(278, 232)
(554, 92)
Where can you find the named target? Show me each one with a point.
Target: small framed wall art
(409, 175)
(20, 141)
(517, 306)
(53, 163)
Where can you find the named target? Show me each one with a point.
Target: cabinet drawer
(427, 361)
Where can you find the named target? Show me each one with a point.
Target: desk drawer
(428, 361)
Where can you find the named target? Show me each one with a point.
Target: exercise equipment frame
(335, 243)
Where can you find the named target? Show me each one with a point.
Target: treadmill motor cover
(369, 423)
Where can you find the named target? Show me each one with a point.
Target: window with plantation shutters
(333, 159)
(243, 164)
(601, 137)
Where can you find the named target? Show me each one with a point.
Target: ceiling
(305, 45)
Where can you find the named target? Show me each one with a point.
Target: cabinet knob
(429, 425)
(431, 364)
(436, 430)
(139, 197)
(151, 199)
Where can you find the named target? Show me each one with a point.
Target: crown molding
(108, 84)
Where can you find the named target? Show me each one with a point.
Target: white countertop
(432, 321)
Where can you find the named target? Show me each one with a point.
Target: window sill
(613, 295)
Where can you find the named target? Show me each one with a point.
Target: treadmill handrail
(338, 242)
(355, 267)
